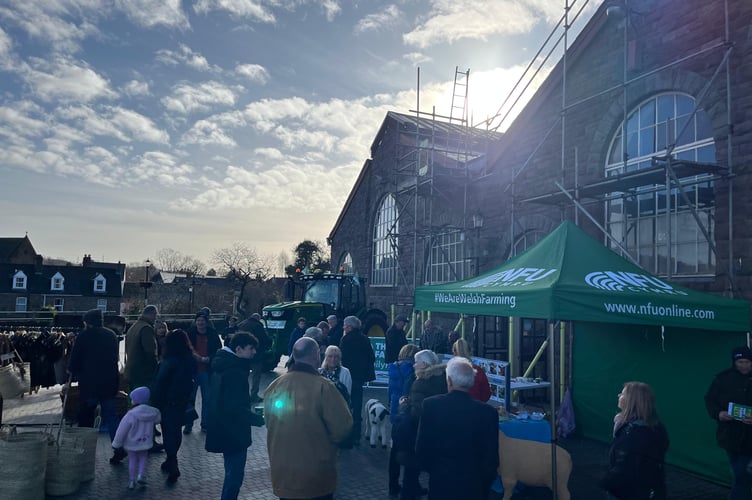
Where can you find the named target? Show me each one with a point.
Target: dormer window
(56, 283)
(19, 281)
(100, 284)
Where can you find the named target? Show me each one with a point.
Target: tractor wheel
(375, 326)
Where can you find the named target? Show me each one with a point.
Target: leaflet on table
(739, 412)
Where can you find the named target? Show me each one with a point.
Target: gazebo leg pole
(552, 413)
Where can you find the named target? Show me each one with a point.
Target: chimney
(87, 260)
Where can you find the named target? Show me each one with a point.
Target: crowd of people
(440, 420)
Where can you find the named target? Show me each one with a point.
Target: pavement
(362, 470)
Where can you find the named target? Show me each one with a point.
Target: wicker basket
(24, 462)
(70, 410)
(11, 384)
(64, 465)
(85, 438)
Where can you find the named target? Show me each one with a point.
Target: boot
(118, 456)
(174, 472)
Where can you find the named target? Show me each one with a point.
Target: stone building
(28, 285)
(642, 135)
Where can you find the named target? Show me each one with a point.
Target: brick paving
(362, 471)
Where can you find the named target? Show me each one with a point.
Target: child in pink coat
(136, 434)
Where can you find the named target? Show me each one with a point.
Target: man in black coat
(458, 439)
(256, 328)
(734, 435)
(94, 363)
(359, 358)
(229, 413)
(395, 339)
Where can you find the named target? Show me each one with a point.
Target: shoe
(141, 480)
(131, 485)
(165, 467)
(172, 478)
(118, 456)
(187, 430)
(156, 448)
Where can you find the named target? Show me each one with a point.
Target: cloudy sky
(127, 126)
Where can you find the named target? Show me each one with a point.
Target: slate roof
(78, 280)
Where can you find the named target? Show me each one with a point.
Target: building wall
(663, 34)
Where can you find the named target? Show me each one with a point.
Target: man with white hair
(306, 418)
(458, 439)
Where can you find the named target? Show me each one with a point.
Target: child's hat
(140, 395)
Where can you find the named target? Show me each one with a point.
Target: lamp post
(146, 284)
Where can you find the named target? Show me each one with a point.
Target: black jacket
(730, 386)
(173, 385)
(94, 363)
(213, 342)
(335, 334)
(635, 462)
(229, 415)
(395, 339)
(458, 445)
(358, 356)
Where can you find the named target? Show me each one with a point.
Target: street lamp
(146, 284)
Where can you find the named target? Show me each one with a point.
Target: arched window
(447, 258)
(385, 239)
(640, 220)
(345, 264)
(526, 240)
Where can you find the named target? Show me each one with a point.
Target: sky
(129, 126)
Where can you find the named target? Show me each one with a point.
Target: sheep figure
(529, 462)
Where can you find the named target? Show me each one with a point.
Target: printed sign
(379, 349)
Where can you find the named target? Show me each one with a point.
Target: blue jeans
(202, 380)
(234, 471)
(742, 487)
(109, 415)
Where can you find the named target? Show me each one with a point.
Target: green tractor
(322, 295)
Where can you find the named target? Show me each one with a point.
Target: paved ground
(362, 471)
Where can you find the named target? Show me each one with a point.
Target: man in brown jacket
(141, 350)
(306, 418)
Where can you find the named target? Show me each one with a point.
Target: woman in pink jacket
(136, 434)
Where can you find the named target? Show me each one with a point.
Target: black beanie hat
(742, 352)
(94, 317)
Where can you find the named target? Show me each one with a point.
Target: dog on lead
(376, 423)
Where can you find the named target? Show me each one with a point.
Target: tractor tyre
(375, 326)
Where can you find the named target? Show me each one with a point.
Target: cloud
(204, 132)
(185, 56)
(187, 98)
(136, 88)
(253, 72)
(416, 58)
(161, 167)
(62, 25)
(150, 13)
(6, 45)
(253, 9)
(116, 122)
(64, 79)
(379, 20)
(452, 20)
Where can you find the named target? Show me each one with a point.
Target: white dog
(376, 423)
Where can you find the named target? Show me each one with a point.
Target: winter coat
(730, 386)
(141, 353)
(458, 445)
(428, 382)
(401, 374)
(481, 389)
(173, 385)
(358, 356)
(94, 363)
(229, 412)
(394, 339)
(214, 343)
(306, 419)
(344, 378)
(335, 334)
(435, 340)
(635, 462)
(136, 429)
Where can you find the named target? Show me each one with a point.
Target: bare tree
(168, 259)
(242, 264)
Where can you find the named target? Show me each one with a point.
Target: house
(640, 135)
(28, 285)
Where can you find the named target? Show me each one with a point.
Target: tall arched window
(640, 220)
(385, 239)
(345, 264)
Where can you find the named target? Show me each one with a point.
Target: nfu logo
(623, 281)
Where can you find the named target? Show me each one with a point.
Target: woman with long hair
(172, 392)
(636, 457)
(481, 389)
